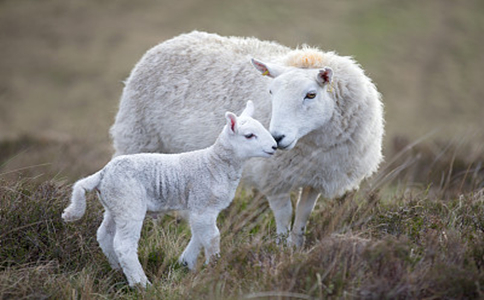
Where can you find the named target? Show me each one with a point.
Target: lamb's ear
(270, 70)
(249, 109)
(231, 121)
(325, 76)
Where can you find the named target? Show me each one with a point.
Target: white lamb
(322, 107)
(201, 183)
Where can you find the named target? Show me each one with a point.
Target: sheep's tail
(77, 208)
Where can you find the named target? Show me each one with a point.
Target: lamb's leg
(209, 236)
(126, 248)
(304, 207)
(190, 254)
(105, 237)
(204, 233)
(281, 206)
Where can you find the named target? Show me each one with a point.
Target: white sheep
(201, 183)
(322, 107)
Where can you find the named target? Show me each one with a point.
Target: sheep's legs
(126, 248)
(105, 237)
(281, 206)
(204, 233)
(304, 207)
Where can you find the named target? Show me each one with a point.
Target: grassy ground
(391, 239)
(415, 230)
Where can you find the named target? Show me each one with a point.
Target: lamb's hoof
(186, 264)
(295, 240)
(65, 216)
(69, 217)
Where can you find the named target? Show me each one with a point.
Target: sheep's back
(176, 97)
(180, 90)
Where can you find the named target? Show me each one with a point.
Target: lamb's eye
(270, 92)
(311, 95)
(249, 136)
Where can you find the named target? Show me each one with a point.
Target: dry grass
(405, 241)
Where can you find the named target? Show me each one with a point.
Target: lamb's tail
(77, 208)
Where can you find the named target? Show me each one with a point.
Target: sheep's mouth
(288, 146)
(270, 152)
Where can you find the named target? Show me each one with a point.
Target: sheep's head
(301, 100)
(248, 136)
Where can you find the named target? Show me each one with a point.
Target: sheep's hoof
(281, 239)
(140, 285)
(295, 240)
(115, 266)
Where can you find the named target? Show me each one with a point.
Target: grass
(407, 239)
(63, 62)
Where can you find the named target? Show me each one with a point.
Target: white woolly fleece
(200, 183)
(175, 96)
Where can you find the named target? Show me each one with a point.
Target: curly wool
(206, 73)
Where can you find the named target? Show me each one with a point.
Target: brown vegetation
(390, 239)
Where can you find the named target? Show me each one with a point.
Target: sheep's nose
(274, 147)
(278, 138)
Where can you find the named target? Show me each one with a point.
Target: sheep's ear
(270, 70)
(249, 109)
(325, 76)
(231, 121)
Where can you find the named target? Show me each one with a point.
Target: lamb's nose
(274, 147)
(278, 138)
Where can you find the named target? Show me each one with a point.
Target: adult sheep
(320, 107)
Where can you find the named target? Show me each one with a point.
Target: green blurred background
(63, 62)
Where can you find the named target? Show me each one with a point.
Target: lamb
(200, 183)
(319, 106)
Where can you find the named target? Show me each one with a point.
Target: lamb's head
(301, 101)
(247, 136)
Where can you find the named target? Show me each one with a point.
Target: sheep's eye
(249, 136)
(311, 95)
(270, 92)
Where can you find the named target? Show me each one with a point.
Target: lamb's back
(163, 181)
